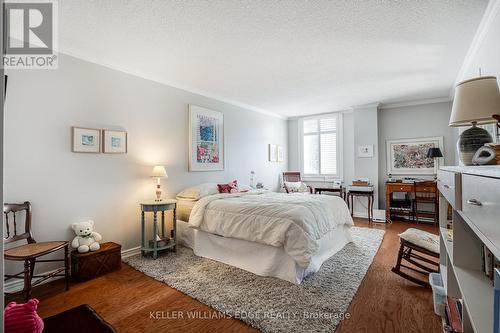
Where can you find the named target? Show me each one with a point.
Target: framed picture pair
(275, 153)
(92, 140)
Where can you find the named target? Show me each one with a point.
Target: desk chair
(425, 196)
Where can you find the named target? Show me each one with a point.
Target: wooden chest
(89, 265)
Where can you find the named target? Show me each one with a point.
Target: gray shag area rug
(270, 304)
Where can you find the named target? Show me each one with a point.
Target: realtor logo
(30, 34)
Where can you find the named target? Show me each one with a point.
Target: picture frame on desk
(409, 156)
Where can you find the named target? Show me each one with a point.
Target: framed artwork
(281, 154)
(409, 156)
(114, 142)
(206, 139)
(365, 151)
(273, 153)
(85, 140)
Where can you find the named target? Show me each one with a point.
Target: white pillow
(197, 192)
(244, 188)
(296, 186)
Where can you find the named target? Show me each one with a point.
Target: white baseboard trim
(131, 252)
(364, 215)
(18, 284)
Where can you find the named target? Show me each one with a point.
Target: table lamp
(434, 153)
(159, 172)
(476, 101)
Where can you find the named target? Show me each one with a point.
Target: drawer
(399, 187)
(481, 205)
(449, 184)
(427, 189)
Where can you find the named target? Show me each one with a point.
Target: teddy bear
(86, 238)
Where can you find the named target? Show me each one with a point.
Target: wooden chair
(293, 176)
(30, 251)
(425, 197)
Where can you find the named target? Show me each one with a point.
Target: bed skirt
(260, 259)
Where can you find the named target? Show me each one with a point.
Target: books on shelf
(496, 302)
(453, 315)
(489, 262)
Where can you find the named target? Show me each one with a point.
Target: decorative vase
(470, 141)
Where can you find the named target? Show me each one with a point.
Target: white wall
(414, 122)
(486, 53)
(65, 187)
(366, 133)
(293, 145)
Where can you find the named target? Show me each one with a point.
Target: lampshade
(159, 172)
(476, 100)
(434, 152)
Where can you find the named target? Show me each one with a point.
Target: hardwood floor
(134, 302)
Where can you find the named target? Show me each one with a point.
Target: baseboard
(18, 284)
(376, 218)
(131, 252)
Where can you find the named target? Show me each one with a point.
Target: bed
(287, 236)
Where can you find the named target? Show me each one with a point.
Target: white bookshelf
(461, 259)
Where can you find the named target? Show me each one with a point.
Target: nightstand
(158, 207)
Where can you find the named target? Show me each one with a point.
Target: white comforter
(294, 221)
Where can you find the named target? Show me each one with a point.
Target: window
(320, 153)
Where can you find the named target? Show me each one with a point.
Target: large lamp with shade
(476, 101)
(159, 172)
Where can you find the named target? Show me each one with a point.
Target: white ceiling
(286, 57)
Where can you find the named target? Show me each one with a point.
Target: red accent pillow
(22, 318)
(228, 188)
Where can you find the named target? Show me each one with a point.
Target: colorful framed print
(114, 142)
(409, 156)
(281, 154)
(85, 140)
(273, 153)
(206, 139)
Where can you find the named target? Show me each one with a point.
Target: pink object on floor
(22, 318)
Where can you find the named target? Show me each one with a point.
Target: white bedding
(296, 222)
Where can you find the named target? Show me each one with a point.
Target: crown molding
(484, 27)
(386, 106)
(344, 110)
(142, 75)
(366, 106)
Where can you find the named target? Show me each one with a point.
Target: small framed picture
(85, 140)
(114, 142)
(365, 151)
(273, 153)
(281, 154)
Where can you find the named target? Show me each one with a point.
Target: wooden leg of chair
(32, 268)
(400, 257)
(27, 280)
(66, 265)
